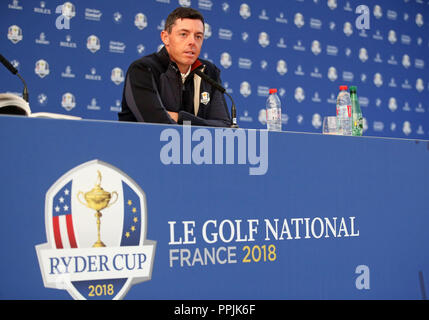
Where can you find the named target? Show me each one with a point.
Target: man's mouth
(190, 54)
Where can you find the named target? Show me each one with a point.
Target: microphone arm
(222, 90)
(12, 69)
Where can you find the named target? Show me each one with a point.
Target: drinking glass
(329, 125)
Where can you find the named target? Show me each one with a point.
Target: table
(209, 213)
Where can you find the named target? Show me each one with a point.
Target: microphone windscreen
(210, 80)
(8, 65)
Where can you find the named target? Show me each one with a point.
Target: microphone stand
(233, 113)
(25, 90)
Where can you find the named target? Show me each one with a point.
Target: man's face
(184, 42)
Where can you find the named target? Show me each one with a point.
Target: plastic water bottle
(357, 121)
(274, 111)
(344, 112)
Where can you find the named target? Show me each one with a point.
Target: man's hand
(174, 115)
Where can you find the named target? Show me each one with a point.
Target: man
(163, 87)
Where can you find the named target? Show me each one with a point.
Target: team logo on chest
(205, 98)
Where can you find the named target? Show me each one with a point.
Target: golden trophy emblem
(97, 199)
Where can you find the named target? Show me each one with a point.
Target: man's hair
(182, 13)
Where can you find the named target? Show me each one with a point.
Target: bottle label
(344, 111)
(359, 123)
(273, 114)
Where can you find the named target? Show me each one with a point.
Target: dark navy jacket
(153, 85)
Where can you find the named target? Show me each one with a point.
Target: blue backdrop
(305, 48)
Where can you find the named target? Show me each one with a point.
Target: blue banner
(210, 213)
(74, 56)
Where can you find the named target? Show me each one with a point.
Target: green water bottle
(357, 121)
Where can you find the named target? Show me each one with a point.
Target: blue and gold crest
(96, 221)
(205, 97)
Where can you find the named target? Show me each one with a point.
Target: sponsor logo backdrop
(74, 56)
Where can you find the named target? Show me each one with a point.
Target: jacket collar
(164, 58)
(196, 65)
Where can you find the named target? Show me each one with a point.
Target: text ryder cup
(96, 263)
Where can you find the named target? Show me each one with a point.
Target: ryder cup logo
(299, 94)
(281, 67)
(316, 48)
(68, 101)
(68, 10)
(140, 21)
(185, 3)
(93, 43)
(14, 34)
(205, 98)
(245, 11)
(348, 29)
(419, 20)
(42, 68)
(96, 248)
(332, 4)
(225, 60)
(117, 76)
(245, 89)
(299, 20)
(263, 39)
(207, 31)
(392, 36)
(332, 74)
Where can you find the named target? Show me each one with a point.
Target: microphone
(12, 69)
(222, 90)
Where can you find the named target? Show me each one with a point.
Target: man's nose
(192, 40)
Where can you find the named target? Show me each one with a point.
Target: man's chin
(187, 62)
(190, 62)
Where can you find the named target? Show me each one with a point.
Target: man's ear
(164, 37)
